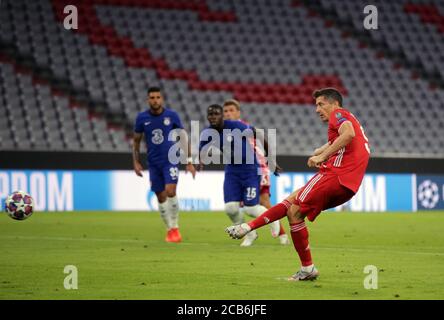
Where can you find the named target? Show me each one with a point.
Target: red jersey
(350, 162)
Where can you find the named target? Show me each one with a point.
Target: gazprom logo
(51, 190)
(185, 204)
(195, 204)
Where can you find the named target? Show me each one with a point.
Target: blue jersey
(157, 129)
(239, 156)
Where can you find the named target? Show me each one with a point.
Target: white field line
(374, 249)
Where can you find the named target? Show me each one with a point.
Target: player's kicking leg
(277, 229)
(276, 212)
(320, 193)
(233, 211)
(299, 233)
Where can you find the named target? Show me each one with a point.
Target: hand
(138, 169)
(190, 168)
(315, 161)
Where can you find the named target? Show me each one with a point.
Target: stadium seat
(264, 53)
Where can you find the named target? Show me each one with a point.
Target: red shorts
(322, 192)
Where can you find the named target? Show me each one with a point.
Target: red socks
(274, 213)
(299, 234)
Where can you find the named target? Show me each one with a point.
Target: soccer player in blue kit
(156, 123)
(242, 171)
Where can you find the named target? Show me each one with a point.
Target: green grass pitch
(122, 255)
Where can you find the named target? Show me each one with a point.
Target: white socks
(169, 211)
(164, 214)
(173, 211)
(308, 268)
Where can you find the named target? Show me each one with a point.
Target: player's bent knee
(161, 196)
(171, 194)
(294, 215)
(170, 190)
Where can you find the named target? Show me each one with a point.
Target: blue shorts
(242, 186)
(162, 175)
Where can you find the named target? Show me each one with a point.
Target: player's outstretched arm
(346, 135)
(136, 154)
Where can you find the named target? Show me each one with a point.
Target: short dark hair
(215, 106)
(329, 93)
(153, 89)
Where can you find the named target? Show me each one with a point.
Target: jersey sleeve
(138, 125)
(177, 123)
(338, 118)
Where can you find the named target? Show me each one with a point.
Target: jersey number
(367, 147)
(174, 172)
(251, 193)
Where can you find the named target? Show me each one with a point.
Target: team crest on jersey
(167, 121)
(338, 115)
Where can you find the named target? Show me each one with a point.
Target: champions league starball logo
(428, 194)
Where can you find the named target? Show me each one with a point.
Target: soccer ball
(19, 205)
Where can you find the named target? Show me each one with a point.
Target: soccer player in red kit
(342, 162)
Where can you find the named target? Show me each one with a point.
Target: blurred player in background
(342, 162)
(232, 111)
(242, 174)
(156, 123)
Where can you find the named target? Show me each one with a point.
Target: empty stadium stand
(81, 89)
